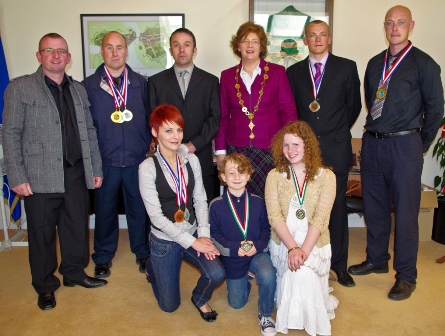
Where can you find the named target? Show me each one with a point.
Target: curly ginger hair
(312, 154)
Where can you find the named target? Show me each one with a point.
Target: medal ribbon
(314, 88)
(119, 96)
(385, 73)
(243, 226)
(301, 193)
(179, 181)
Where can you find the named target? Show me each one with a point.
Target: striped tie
(377, 107)
(317, 77)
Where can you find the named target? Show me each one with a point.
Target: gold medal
(314, 106)
(246, 246)
(117, 117)
(300, 214)
(127, 115)
(381, 93)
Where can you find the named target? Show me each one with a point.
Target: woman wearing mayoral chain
(300, 192)
(171, 186)
(256, 101)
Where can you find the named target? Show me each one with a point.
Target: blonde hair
(243, 164)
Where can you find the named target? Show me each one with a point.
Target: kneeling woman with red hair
(171, 186)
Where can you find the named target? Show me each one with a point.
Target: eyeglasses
(247, 42)
(51, 51)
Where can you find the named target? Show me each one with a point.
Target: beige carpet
(126, 306)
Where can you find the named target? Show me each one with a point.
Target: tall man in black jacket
(195, 93)
(327, 93)
(404, 97)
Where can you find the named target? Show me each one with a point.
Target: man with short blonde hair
(404, 97)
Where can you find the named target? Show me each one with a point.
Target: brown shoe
(401, 290)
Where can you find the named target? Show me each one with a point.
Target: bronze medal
(117, 117)
(300, 214)
(246, 246)
(179, 216)
(314, 106)
(127, 114)
(381, 93)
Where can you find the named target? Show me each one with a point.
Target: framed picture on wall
(147, 38)
(284, 22)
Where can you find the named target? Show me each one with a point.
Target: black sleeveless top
(167, 197)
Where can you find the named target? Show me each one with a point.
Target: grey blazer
(32, 136)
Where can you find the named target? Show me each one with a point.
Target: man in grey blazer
(52, 158)
(326, 89)
(195, 93)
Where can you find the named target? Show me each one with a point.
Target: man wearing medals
(198, 101)
(404, 97)
(118, 98)
(326, 90)
(241, 231)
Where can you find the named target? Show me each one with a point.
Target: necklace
(242, 225)
(251, 115)
(301, 193)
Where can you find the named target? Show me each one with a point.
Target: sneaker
(250, 275)
(267, 325)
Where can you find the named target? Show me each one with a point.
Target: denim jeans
(163, 268)
(106, 209)
(266, 278)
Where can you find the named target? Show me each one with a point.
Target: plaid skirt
(262, 162)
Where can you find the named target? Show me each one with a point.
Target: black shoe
(88, 282)
(46, 301)
(142, 262)
(209, 316)
(102, 270)
(367, 268)
(344, 279)
(401, 290)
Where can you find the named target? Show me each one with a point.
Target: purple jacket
(276, 109)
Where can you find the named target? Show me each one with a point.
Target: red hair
(165, 113)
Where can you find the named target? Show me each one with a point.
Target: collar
(178, 69)
(50, 82)
(322, 61)
(101, 70)
(182, 151)
(400, 52)
(256, 71)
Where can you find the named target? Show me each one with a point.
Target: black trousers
(338, 225)
(68, 212)
(391, 173)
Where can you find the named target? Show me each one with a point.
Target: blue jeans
(266, 278)
(164, 266)
(106, 231)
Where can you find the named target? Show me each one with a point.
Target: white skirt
(302, 297)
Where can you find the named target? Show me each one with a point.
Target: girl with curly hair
(300, 192)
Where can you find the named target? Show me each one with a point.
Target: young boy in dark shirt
(241, 232)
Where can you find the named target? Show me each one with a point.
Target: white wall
(358, 32)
